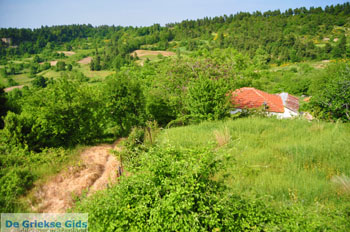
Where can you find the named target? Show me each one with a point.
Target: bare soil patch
(322, 65)
(96, 170)
(67, 53)
(141, 53)
(52, 63)
(86, 60)
(13, 87)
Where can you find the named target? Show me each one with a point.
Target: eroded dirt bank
(96, 170)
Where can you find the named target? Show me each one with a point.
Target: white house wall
(287, 114)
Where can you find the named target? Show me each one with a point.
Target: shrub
(13, 184)
(124, 104)
(207, 99)
(39, 81)
(331, 93)
(157, 108)
(65, 113)
(61, 65)
(135, 138)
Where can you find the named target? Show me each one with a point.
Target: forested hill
(296, 34)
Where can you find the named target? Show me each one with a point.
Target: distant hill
(293, 35)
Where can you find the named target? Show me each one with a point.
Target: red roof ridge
(256, 91)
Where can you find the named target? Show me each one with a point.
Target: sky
(37, 13)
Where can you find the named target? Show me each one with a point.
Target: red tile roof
(254, 98)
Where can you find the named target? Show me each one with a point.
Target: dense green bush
(331, 93)
(61, 66)
(170, 190)
(157, 108)
(135, 138)
(124, 104)
(39, 81)
(13, 184)
(207, 99)
(67, 112)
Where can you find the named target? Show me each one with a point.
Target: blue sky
(35, 13)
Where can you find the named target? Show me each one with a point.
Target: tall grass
(222, 137)
(290, 160)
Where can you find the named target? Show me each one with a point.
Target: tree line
(293, 35)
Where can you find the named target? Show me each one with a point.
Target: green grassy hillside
(250, 174)
(287, 159)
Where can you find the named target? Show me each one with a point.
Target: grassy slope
(290, 160)
(285, 165)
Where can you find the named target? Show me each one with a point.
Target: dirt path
(96, 170)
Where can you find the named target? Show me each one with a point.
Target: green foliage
(261, 58)
(281, 159)
(158, 109)
(179, 190)
(124, 107)
(11, 82)
(34, 69)
(3, 106)
(46, 66)
(64, 113)
(13, 184)
(331, 93)
(173, 190)
(132, 147)
(340, 48)
(61, 66)
(19, 168)
(69, 67)
(288, 35)
(135, 138)
(68, 47)
(39, 81)
(3, 73)
(36, 59)
(207, 99)
(95, 64)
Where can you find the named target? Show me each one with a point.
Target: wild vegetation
(250, 174)
(191, 165)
